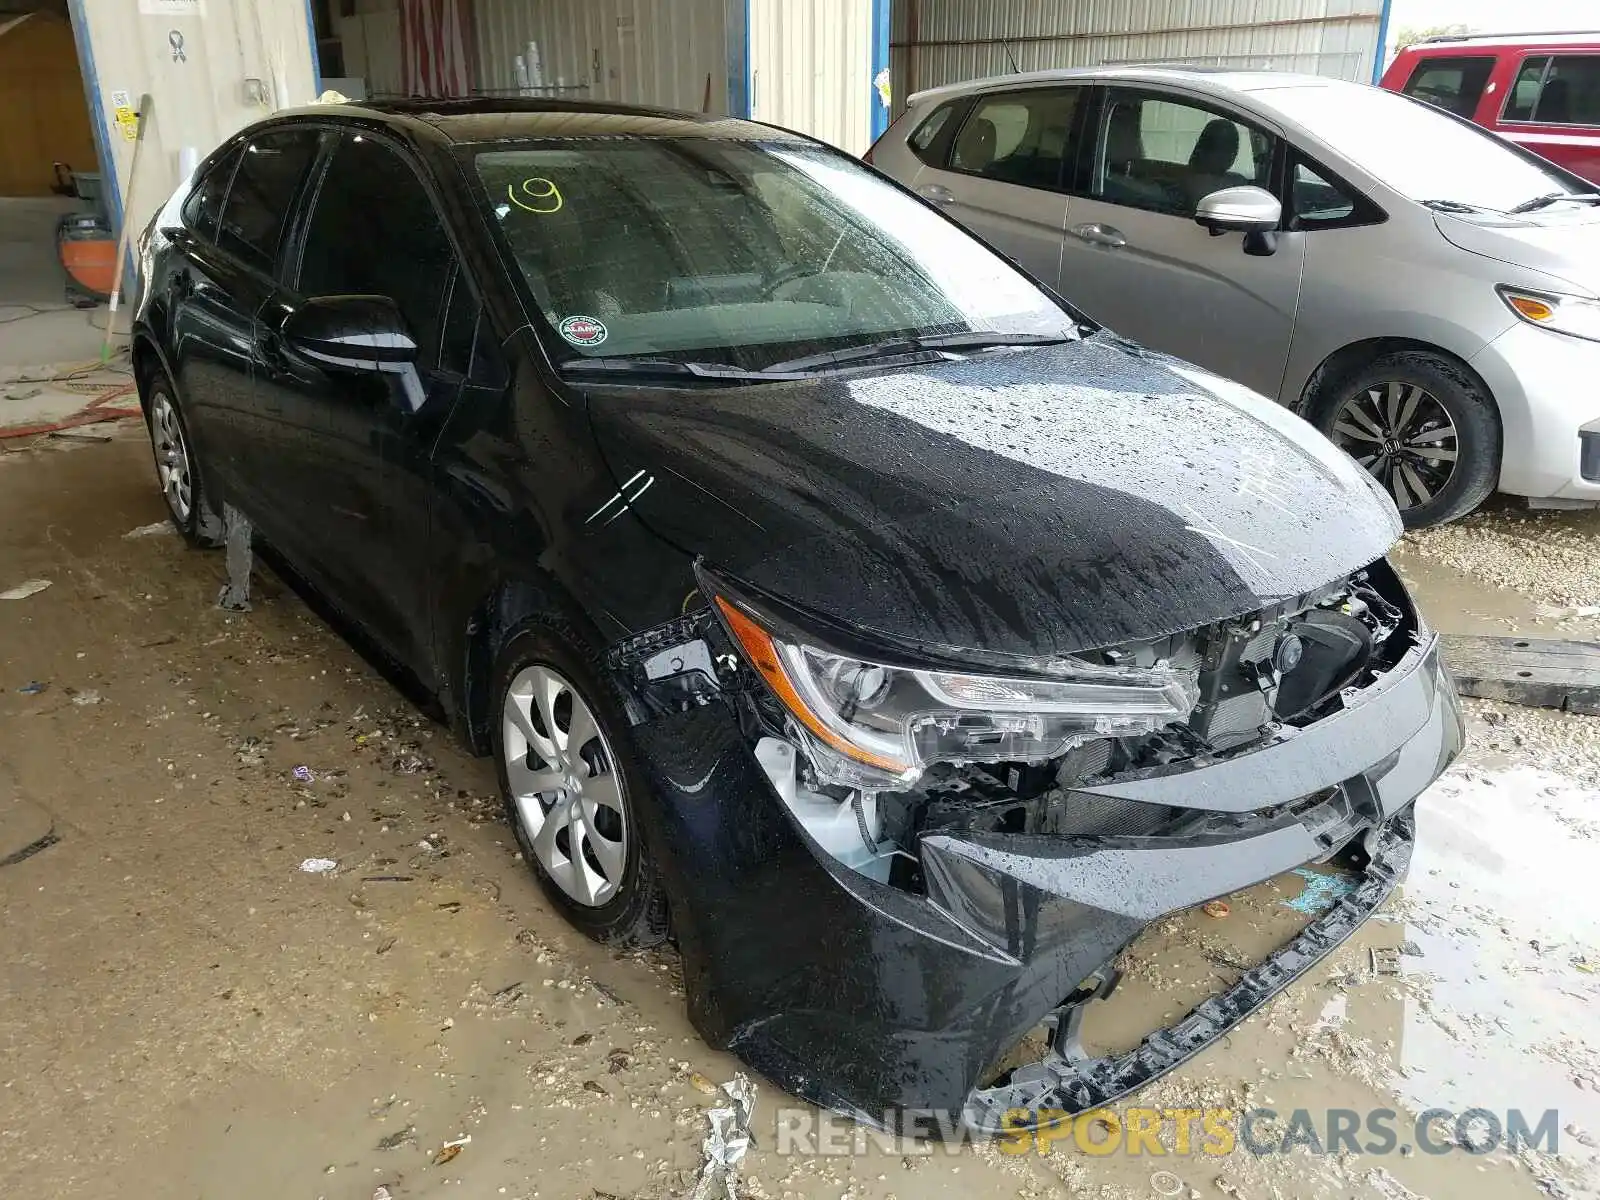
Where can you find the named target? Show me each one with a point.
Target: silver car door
(1004, 176)
(1135, 260)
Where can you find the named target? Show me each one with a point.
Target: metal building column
(738, 35)
(111, 187)
(879, 120)
(1383, 39)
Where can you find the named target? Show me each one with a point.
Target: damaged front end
(901, 863)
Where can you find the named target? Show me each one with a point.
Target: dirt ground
(187, 1012)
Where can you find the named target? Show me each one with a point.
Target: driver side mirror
(1239, 210)
(1252, 211)
(357, 333)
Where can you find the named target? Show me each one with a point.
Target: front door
(360, 436)
(1005, 176)
(1135, 260)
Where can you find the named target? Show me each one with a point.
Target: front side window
(1019, 137)
(1564, 90)
(1167, 155)
(270, 172)
(742, 253)
(375, 231)
(1423, 154)
(1453, 84)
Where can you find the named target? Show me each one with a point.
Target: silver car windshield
(740, 253)
(1418, 151)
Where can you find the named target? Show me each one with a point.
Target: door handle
(1097, 234)
(272, 351)
(937, 193)
(182, 285)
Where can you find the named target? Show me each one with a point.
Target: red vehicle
(1541, 91)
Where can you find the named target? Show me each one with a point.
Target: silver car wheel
(564, 783)
(1403, 437)
(172, 457)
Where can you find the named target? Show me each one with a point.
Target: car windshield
(1420, 152)
(741, 254)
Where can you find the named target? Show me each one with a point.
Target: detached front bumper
(892, 1006)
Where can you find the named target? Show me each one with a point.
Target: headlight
(897, 720)
(1576, 315)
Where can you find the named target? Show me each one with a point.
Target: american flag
(433, 60)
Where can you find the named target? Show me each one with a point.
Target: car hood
(1025, 503)
(1565, 245)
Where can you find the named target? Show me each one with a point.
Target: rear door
(1135, 259)
(1003, 175)
(362, 437)
(232, 257)
(1552, 107)
(212, 303)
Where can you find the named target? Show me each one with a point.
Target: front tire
(1422, 426)
(573, 784)
(188, 506)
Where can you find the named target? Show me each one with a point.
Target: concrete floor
(185, 1012)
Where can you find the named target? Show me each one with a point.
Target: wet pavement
(185, 1011)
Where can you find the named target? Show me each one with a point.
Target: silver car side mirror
(1246, 209)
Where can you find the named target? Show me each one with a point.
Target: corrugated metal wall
(370, 38)
(195, 61)
(634, 51)
(935, 42)
(811, 68)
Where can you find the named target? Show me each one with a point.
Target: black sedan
(833, 599)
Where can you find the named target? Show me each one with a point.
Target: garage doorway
(50, 203)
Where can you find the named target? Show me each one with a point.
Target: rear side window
(921, 141)
(375, 232)
(1563, 90)
(1453, 84)
(270, 173)
(204, 205)
(1024, 138)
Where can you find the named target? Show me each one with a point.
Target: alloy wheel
(565, 785)
(172, 457)
(1402, 436)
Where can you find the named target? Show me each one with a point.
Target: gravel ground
(187, 1010)
(1547, 556)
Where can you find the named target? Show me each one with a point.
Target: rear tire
(573, 785)
(1422, 426)
(188, 506)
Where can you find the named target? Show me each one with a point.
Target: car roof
(488, 119)
(1446, 43)
(1217, 81)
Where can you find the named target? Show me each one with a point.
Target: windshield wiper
(1550, 198)
(663, 366)
(1456, 206)
(895, 347)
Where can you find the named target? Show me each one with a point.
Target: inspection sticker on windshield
(582, 331)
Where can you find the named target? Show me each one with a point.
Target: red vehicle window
(1453, 84)
(1563, 90)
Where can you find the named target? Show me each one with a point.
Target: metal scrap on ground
(1539, 672)
(725, 1145)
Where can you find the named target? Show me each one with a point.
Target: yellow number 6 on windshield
(538, 195)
